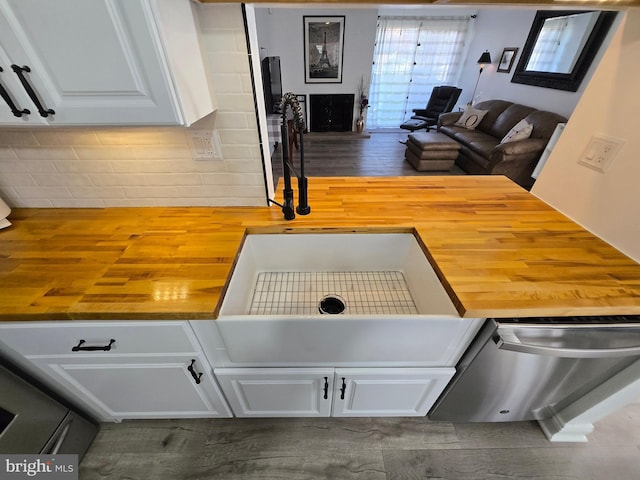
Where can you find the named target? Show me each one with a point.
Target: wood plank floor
(377, 153)
(359, 448)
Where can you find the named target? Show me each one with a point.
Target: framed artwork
(323, 49)
(506, 60)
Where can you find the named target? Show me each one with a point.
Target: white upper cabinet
(101, 62)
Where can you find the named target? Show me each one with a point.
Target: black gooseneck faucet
(289, 100)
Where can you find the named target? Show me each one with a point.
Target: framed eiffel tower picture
(323, 49)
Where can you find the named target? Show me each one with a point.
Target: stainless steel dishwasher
(531, 368)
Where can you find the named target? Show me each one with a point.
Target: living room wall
(607, 203)
(497, 28)
(280, 33)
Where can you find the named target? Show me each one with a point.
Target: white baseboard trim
(556, 430)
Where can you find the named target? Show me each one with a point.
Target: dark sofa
(481, 151)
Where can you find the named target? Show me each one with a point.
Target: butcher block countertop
(498, 250)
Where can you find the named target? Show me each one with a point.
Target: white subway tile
(97, 192)
(65, 136)
(228, 62)
(80, 166)
(45, 153)
(241, 40)
(231, 120)
(215, 191)
(17, 136)
(251, 179)
(223, 16)
(130, 202)
(241, 152)
(228, 83)
(151, 192)
(42, 192)
(141, 167)
(114, 179)
(215, 165)
(16, 179)
(239, 137)
(78, 203)
(242, 102)
(219, 202)
(173, 179)
(245, 166)
(143, 136)
(32, 203)
(61, 180)
(219, 40)
(7, 154)
(27, 166)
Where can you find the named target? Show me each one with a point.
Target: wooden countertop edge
(465, 311)
(379, 201)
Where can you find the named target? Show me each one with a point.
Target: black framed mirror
(561, 47)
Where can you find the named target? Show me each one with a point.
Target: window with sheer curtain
(412, 55)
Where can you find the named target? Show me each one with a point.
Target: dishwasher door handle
(511, 342)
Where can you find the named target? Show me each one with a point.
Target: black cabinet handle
(326, 388)
(343, 389)
(27, 86)
(80, 348)
(12, 106)
(196, 376)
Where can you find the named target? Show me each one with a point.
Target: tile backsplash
(148, 166)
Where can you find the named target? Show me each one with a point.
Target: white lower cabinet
(387, 392)
(119, 370)
(167, 386)
(277, 392)
(341, 392)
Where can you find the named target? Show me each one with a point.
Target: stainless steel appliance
(31, 422)
(529, 369)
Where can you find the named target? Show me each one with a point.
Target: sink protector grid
(298, 293)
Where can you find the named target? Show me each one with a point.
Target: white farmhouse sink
(375, 273)
(396, 310)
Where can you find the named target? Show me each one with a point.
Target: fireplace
(331, 113)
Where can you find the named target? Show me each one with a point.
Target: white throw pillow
(470, 118)
(520, 131)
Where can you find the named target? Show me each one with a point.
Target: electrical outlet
(600, 152)
(204, 144)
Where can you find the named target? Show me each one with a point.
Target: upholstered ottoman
(431, 151)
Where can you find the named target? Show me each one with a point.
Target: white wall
(495, 29)
(280, 33)
(148, 166)
(608, 203)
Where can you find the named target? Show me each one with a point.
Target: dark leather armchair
(442, 100)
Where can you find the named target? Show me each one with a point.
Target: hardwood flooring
(376, 153)
(359, 448)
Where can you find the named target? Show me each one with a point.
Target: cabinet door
(277, 392)
(91, 61)
(387, 392)
(140, 387)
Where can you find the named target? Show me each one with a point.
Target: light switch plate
(600, 152)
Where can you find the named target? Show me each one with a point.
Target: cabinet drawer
(59, 338)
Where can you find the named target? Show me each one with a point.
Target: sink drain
(331, 304)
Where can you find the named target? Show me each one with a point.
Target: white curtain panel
(412, 55)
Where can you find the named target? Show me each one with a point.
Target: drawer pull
(30, 91)
(343, 388)
(12, 106)
(80, 348)
(326, 388)
(196, 376)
